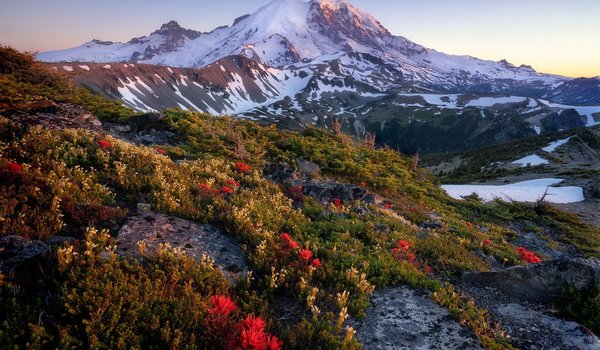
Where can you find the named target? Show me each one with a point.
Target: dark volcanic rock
(567, 119)
(400, 318)
(596, 188)
(328, 191)
(194, 239)
(541, 282)
(20, 253)
(278, 172)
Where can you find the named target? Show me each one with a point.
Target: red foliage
(222, 305)
(388, 205)
(305, 254)
(13, 168)
(104, 144)
(84, 215)
(337, 202)
(528, 256)
(289, 241)
(242, 167)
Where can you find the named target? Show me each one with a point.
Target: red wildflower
(363, 184)
(233, 182)
(104, 144)
(427, 269)
(411, 210)
(305, 254)
(222, 305)
(242, 167)
(411, 257)
(204, 187)
(388, 205)
(253, 339)
(293, 245)
(469, 225)
(487, 242)
(296, 189)
(160, 150)
(403, 245)
(226, 190)
(316, 262)
(273, 343)
(13, 168)
(528, 256)
(252, 322)
(337, 202)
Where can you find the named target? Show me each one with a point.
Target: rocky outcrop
(400, 318)
(567, 119)
(58, 116)
(328, 191)
(151, 229)
(541, 282)
(21, 253)
(533, 329)
(596, 188)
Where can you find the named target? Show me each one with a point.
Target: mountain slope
(295, 32)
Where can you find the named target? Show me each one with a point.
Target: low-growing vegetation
(325, 257)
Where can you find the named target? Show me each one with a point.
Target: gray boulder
(17, 252)
(401, 318)
(541, 282)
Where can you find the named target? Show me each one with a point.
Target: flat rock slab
(401, 318)
(534, 329)
(541, 282)
(194, 239)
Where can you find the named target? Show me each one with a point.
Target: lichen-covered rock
(17, 252)
(195, 239)
(541, 282)
(400, 318)
(307, 167)
(533, 329)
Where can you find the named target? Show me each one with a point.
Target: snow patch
(84, 66)
(491, 101)
(531, 160)
(526, 191)
(68, 68)
(554, 145)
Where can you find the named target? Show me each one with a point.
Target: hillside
(129, 230)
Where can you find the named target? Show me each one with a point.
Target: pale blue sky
(554, 36)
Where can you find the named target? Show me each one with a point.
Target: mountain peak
(171, 25)
(173, 29)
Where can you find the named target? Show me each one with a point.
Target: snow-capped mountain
(296, 32)
(298, 63)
